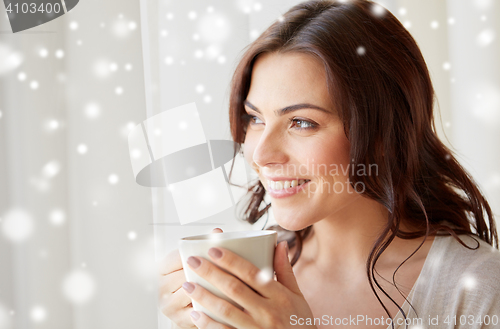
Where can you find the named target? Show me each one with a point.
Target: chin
(291, 221)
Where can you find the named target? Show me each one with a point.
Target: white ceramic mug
(255, 246)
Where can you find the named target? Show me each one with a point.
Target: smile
(285, 188)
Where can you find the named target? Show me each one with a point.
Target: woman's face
(295, 140)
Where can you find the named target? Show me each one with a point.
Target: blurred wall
(81, 252)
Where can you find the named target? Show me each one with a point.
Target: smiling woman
(400, 235)
(343, 84)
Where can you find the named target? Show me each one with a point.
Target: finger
(170, 263)
(175, 301)
(283, 268)
(174, 307)
(203, 321)
(217, 230)
(260, 281)
(228, 284)
(184, 319)
(218, 306)
(172, 282)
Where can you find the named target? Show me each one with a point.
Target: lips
(285, 187)
(278, 185)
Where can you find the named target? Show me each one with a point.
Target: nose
(271, 148)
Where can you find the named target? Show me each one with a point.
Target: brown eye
(302, 124)
(251, 119)
(255, 120)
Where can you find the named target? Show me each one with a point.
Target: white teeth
(279, 185)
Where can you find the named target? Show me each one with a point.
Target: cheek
(331, 157)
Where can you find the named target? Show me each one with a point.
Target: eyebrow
(288, 109)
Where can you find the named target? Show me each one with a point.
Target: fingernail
(189, 287)
(194, 262)
(195, 315)
(215, 253)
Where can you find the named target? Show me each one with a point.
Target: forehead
(285, 79)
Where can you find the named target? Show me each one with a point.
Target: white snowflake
(53, 124)
(132, 25)
(136, 154)
(485, 37)
(43, 52)
(82, 148)
(221, 59)
(59, 53)
(469, 282)
(198, 53)
(120, 28)
(101, 68)
(51, 169)
(254, 34)
(79, 287)
(378, 10)
(9, 59)
(113, 179)
(132, 235)
(57, 217)
(200, 88)
(92, 110)
(17, 225)
(214, 28)
(38, 314)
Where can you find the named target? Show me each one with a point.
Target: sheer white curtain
(71, 213)
(76, 246)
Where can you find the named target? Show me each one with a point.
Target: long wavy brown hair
(380, 85)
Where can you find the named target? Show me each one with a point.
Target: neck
(342, 242)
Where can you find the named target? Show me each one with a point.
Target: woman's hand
(269, 305)
(174, 302)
